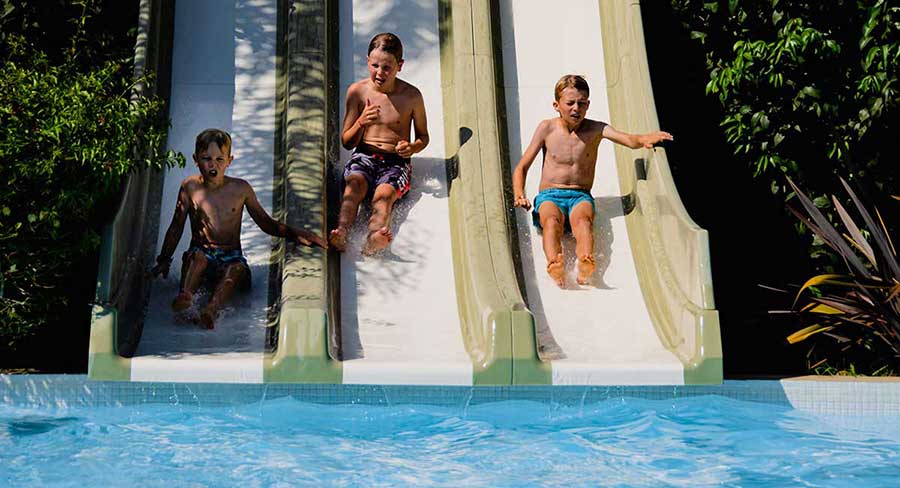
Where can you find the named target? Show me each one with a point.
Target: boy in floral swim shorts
(380, 110)
(569, 146)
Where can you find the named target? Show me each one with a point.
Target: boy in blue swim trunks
(569, 146)
(380, 110)
(215, 204)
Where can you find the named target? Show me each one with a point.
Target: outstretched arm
(173, 234)
(521, 171)
(635, 141)
(420, 125)
(275, 228)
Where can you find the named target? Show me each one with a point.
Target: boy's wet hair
(209, 136)
(571, 81)
(387, 42)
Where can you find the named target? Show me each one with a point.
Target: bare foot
(557, 270)
(377, 241)
(208, 318)
(586, 268)
(338, 238)
(182, 302)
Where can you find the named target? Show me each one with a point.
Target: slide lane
(399, 319)
(649, 318)
(225, 73)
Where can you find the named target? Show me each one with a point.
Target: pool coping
(841, 396)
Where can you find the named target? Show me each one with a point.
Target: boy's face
(213, 161)
(383, 67)
(572, 105)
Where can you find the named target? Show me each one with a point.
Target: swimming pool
(65, 431)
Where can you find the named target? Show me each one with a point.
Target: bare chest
(216, 207)
(395, 111)
(570, 149)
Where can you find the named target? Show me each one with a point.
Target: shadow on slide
(300, 343)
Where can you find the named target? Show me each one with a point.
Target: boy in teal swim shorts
(569, 146)
(215, 203)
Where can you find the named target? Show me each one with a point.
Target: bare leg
(193, 270)
(234, 274)
(354, 192)
(582, 218)
(552, 229)
(380, 222)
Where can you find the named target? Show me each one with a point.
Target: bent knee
(552, 223)
(384, 194)
(198, 259)
(583, 221)
(235, 270)
(355, 183)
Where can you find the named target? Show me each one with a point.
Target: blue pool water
(696, 441)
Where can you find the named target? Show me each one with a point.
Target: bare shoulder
(547, 126)
(191, 182)
(357, 90)
(594, 129)
(596, 126)
(238, 184)
(408, 90)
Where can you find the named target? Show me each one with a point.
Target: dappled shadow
(402, 17)
(372, 287)
(223, 76)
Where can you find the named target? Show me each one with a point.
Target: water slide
(648, 317)
(456, 299)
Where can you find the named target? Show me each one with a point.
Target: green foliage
(71, 129)
(808, 88)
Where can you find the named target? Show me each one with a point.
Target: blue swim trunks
(565, 199)
(379, 168)
(219, 259)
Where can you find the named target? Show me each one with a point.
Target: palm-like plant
(861, 305)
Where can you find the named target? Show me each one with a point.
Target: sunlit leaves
(69, 132)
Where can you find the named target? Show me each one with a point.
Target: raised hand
(370, 114)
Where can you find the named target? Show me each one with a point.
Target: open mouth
(213, 172)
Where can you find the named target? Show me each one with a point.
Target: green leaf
(820, 202)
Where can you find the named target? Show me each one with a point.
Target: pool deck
(841, 396)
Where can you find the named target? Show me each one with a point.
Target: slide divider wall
(128, 242)
(308, 341)
(671, 251)
(497, 327)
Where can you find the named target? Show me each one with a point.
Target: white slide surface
(604, 332)
(223, 76)
(400, 319)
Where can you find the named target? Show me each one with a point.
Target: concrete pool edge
(840, 396)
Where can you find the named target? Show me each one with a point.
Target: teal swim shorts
(565, 199)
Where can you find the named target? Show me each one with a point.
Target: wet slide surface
(600, 334)
(224, 76)
(400, 321)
